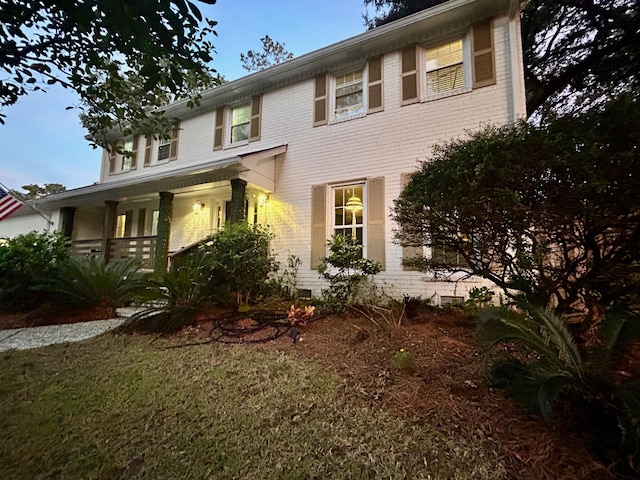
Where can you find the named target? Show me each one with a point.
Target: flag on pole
(8, 204)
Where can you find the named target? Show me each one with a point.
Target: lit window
(121, 223)
(155, 215)
(240, 121)
(444, 67)
(348, 211)
(349, 94)
(164, 149)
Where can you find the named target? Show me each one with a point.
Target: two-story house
(316, 146)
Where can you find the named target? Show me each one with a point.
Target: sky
(42, 142)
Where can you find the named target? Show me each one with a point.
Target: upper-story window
(164, 149)
(122, 158)
(238, 124)
(451, 67)
(161, 150)
(129, 154)
(444, 67)
(349, 94)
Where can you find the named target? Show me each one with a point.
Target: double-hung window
(353, 94)
(444, 67)
(127, 157)
(355, 209)
(349, 211)
(349, 94)
(164, 149)
(433, 71)
(240, 123)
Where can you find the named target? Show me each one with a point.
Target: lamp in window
(354, 204)
(198, 207)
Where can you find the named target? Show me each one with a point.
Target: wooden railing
(142, 248)
(87, 248)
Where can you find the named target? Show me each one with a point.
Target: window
(127, 159)
(164, 149)
(240, 122)
(356, 209)
(161, 150)
(155, 215)
(348, 211)
(349, 94)
(444, 67)
(463, 64)
(123, 224)
(123, 157)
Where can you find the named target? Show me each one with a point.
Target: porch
(140, 248)
(151, 217)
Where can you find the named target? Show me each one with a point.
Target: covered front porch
(151, 218)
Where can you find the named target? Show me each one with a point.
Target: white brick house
(318, 145)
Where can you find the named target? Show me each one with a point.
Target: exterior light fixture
(198, 207)
(262, 199)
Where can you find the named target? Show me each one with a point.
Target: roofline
(415, 28)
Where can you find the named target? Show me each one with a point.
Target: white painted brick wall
(387, 144)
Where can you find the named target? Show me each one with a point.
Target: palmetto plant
(549, 360)
(542, 364)
(86, 283)
(172, 300)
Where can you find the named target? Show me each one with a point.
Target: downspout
(519, 105)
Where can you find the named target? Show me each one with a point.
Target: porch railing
(141, 248)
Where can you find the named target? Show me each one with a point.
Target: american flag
(8, 204)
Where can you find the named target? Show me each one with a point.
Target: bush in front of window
(346, 271)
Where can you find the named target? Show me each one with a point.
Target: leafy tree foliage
(552, 211)
(577, 54)
(391, 10)
(36, 191)
(99, 48)
(272, 53)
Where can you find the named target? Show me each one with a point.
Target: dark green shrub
(346, 271)
(90, 283)
(25, 262)
(240, 257)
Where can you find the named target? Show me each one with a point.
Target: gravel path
(25, 338)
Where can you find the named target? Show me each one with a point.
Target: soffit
(439, 21)
(175, 180)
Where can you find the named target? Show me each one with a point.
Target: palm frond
(90, 283)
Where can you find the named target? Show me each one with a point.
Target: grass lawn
(136, 407)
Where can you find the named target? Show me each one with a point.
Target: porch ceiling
(257, 168)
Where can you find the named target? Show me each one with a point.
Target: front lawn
(141, 407)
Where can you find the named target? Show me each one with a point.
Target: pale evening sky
(41, 142)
